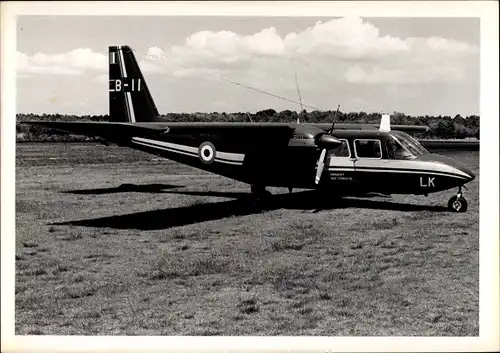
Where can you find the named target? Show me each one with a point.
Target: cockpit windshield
(403, 146)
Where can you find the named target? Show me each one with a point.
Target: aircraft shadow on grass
(152, 188)
(240, 206)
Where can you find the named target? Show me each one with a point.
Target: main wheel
(457, 204)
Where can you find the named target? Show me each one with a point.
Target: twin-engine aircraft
(343, 159)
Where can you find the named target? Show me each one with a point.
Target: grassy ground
(112, 241)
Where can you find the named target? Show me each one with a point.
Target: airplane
(334, 159)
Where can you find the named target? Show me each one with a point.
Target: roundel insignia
(206, 152)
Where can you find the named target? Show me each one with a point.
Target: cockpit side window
(404, 147)
(368, 148)
(341, 151)
(396, 151)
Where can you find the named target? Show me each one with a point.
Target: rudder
(129, 96)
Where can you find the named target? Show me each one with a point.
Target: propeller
(326, 141)
(321, 165)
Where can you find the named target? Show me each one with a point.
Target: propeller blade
(321, 165)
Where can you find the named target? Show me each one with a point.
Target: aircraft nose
(471, 173)
(462, 168)
(467, 171)
(459, 168)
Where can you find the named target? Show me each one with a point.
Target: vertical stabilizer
(129, 96)
(385, 123)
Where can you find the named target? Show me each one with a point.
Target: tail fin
(385, 123)
(129, 96)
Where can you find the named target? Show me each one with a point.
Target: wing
(239, 135)
(355, 126)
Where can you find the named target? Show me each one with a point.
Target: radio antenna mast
(335, 119)
(300, 98)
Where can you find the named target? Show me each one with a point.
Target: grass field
(113, 241)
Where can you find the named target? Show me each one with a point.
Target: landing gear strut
(458, 203)
(261, 195)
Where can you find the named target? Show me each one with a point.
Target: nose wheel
(458, 203)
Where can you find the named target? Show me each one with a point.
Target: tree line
(440, 127)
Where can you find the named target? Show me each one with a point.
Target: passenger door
(340, 165)
(368, 164)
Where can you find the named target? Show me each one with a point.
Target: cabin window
(341, 151)
(368, 148)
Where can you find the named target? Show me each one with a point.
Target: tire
(457, 204)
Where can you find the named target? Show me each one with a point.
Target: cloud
(74, 62)
(346, 38)
(387, 75)
(230, 46)
(334, 60)
(347, 49)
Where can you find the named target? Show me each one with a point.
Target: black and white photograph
(291, 170)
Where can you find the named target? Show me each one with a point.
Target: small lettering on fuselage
(430, 182)
(339, 176)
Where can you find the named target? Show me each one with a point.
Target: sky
(415, 66)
